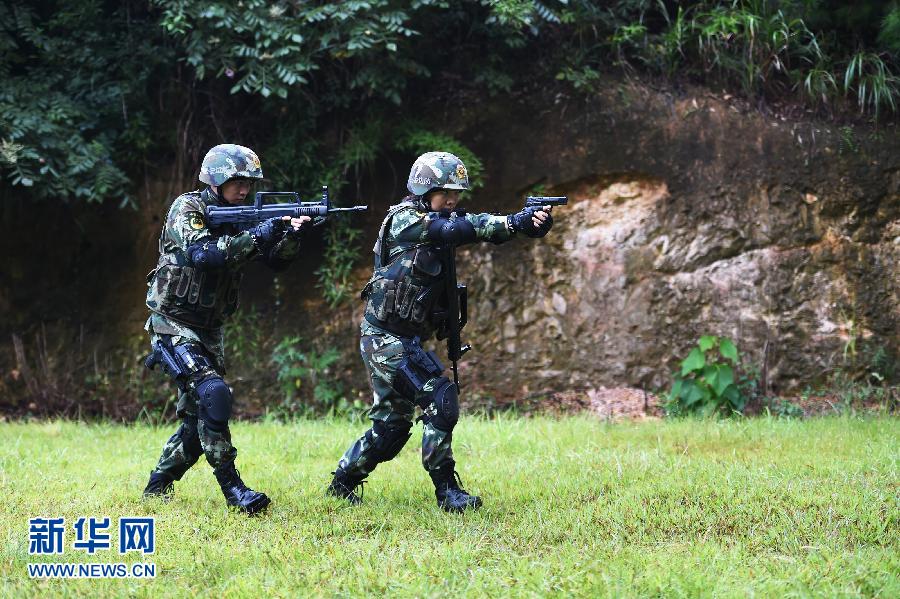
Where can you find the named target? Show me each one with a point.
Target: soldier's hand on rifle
(267, 231)
(534, 223)
(294, 225)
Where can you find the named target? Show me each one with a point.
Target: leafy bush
(341, 252)
(706, 384)
(305, 375)
(869, 78)
(769, 50)
(74, 100)
(418, 140)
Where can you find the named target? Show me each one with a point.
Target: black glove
(295, 234)
(267, 231)
(521, 221)
(458, 231)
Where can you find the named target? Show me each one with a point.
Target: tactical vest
(405, 295)
(196, 298)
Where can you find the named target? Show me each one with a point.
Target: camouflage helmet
(437, 170)
(229, 161)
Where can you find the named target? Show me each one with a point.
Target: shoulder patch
(195, 220)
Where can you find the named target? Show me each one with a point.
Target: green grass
(736, 508)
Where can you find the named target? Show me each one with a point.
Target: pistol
(536, 201)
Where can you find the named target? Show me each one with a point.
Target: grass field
(758, 507)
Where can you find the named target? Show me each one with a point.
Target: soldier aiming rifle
(208, 237)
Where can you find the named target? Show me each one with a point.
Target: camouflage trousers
(382, 354)
(193, 438)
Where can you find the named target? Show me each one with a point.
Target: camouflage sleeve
(409, 225)
(490, 227)
(186, 224)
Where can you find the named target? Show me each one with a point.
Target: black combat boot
(451, 497)
(344, 486)
(237, 493)
(160, 486)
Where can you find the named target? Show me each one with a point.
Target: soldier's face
(444, 199)
(235, 191)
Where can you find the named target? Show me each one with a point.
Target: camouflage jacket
(204, 298)
(406, 295)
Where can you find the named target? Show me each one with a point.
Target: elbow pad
(205, 254)
(458, 231)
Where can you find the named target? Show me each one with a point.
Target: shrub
(706, 384)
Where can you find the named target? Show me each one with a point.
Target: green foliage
(889, 35)
(782, 408)
(341, 252)
(73, 97)
(706, 384)
(93, 91)
(419, 139)
(765, 49)
(268, 49)
(307, 374)
(245, 335)
(870, 79)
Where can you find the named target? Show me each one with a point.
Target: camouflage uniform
(407, 303)
(189, 305)
(404, 301)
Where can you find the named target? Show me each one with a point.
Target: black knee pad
(446, 405)
(388, 439)
(214, 400)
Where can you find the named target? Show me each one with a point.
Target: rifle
(245, 217)
(458, 295)
(457, 309)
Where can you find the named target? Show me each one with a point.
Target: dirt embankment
(688, 215)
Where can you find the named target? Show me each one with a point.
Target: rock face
(688, 215)
(789, 250)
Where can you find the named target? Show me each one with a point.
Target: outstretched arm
(188, 230)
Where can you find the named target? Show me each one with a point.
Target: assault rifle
(458, 296)
(457, 308)
(245, 217)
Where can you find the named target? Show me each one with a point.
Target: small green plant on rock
(706, 384)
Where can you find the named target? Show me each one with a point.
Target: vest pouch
(195, 287)
(183, 282)
(407, 308)
(404, 300)
(383, 298)
(161, 283)
(427, 262)
(422, 304)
